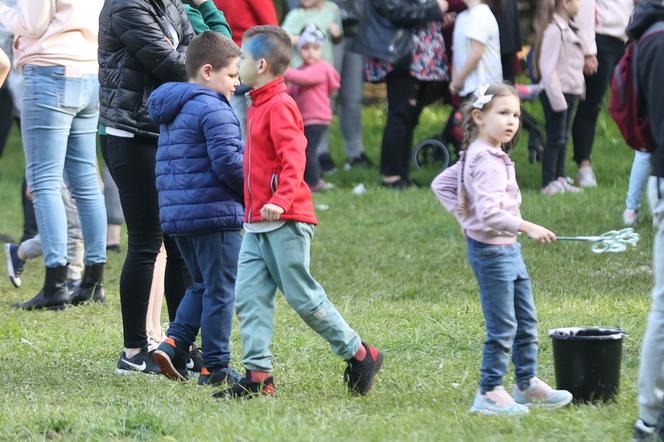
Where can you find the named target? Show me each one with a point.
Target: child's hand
(590, 65)
(448, 19)
(537, 232)
(271, 212)
(335, 30)
(455, 85)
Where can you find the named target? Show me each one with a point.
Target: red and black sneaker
(247, 389)
(359, 375)
(171, 360)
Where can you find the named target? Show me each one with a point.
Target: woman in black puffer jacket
(142, 44)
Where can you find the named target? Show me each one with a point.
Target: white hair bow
(481, 98)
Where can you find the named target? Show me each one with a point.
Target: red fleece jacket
(274, 156)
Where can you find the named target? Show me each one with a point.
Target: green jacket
(207, 18)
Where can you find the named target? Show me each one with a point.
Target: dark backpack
(625, 107)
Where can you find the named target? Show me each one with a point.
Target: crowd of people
(213, 118)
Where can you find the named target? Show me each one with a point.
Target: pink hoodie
(492, 194)
(311, 86)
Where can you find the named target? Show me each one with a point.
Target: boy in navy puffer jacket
(200, 183)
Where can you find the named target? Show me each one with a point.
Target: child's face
(311, 53)
(249, 68)
(500, 122)
(226, 79)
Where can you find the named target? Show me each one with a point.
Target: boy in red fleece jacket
(279, 225)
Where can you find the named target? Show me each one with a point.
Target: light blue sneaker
(540, 394)
(501, 405)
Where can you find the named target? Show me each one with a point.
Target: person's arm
(650, 80)
(489, 184)
(146, 41)
(548, 62)
(290, 145)
(459, 77)
(411, 13)
(310, 76)
(5, 67)
(213, 18)
(30, 18)
(586, 22)
(446, 187)
(224, 147)
(336, 27)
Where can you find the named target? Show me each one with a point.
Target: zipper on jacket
(248, 153)
(394, 41)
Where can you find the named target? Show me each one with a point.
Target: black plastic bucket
(587, 361)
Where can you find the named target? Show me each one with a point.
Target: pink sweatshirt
(311, 86)
(492, 194)
(55, 32)
(561, 63)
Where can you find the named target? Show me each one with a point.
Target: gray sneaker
(505, 406)
(540, 394)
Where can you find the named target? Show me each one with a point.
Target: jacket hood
(168, 99)
(645, 14)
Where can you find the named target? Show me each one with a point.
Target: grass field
(394, 264)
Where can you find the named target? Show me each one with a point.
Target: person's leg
(255, 293)
(609, 51)
(508, 62)
(495, 277)
(132, 164)
(555, 129)
(638, 178)
(176, 277)
(651, 374)
(564, 136)
(402, 104)
(184, 328)
(350, 100)
(217, 258)
(313, 133)
(81, 167)
(6, 116)
(114, 216)
(153, 328)
(75, 247)
(29, 218)
(525, 347)
(303, 293)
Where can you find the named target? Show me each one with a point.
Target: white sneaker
(497, 402)
(540, 394)
(630, 217)
(586, 177)
(567, 185)
(553, 188)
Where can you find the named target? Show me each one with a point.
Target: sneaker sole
(131, 372)
(166, 366)
(485, 412)
(548, 406)
(15, 280)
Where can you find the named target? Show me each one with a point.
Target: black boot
(54, 295)
(92, 285)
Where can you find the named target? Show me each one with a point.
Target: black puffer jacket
(135, 57)
(386, 28)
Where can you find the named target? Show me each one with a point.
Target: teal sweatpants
(280, 259)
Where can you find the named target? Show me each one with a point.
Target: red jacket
(244, 14)
(274, 156)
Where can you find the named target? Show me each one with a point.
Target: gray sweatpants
(33, 246)
(651, 373)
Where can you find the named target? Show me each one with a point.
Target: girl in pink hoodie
(482, 193)
(311, 86)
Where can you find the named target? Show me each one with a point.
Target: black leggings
(609, 51)
(314, 134)
(131, 162)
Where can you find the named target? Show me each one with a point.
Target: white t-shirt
(479, 24)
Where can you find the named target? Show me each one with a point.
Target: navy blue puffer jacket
(199, 160)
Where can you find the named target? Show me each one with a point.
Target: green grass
(394, 264)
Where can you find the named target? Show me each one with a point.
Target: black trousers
(314, 133)
(609, 51)
(131, 162)
(557, 133)
(406, 97)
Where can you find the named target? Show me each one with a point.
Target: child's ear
(477, 116)
(206, 71)
(262, 66)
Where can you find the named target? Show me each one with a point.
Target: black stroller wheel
(431, 152)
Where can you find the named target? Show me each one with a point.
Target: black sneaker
(362, 161)
(14, 264)
(171, 360)
(219, 376)
(359, 375)
(246, 389)
(195, 359)
(327, 165)
(401, 184)
(141, 363)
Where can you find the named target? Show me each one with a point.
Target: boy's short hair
(209, 48)
(271, 43)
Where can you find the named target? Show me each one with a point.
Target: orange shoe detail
(170, 341)
(205, 372)
(269, 390)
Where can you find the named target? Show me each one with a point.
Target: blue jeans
(638, 178)
(509, 312)
(59, 127)
(209, 303)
